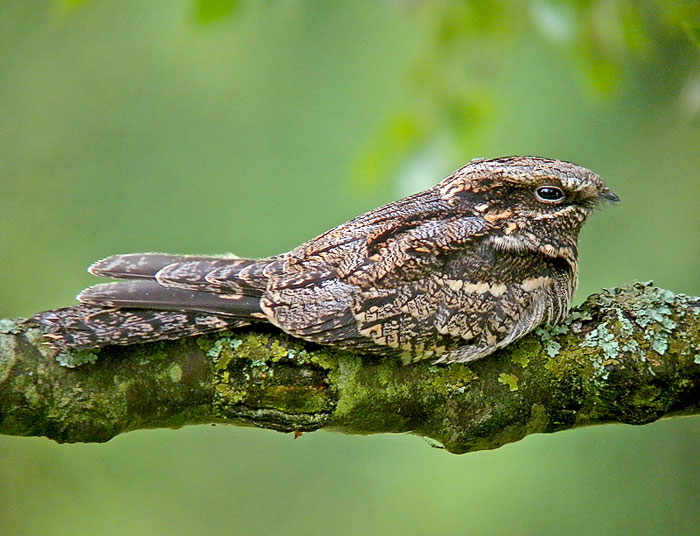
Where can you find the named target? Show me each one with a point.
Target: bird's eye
(549, 194)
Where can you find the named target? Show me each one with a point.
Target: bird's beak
(609, 195)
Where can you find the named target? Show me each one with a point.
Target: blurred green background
(250, 126)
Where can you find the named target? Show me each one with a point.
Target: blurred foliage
(451, 96)
(65, 6)
(693, 32)
(197, 127)
(206, 11)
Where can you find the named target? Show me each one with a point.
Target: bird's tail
(162, 297)
(84, 326)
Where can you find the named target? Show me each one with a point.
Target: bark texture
(628, 355)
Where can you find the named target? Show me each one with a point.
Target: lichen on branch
(628, 355)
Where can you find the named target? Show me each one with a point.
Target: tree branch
(628, 355)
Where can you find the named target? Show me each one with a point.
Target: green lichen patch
(344, 376)
(221, 348)
(10, 326)
(602, 338)
(156, 353)
(640, 321)
(524, 350)
(577, 361)
(226, 394)
(511, 380)
(260, 346)
(521, 358)
(175, 373)
(452, 379)
(579, 315)
(76, 358)
(265, 372)
(8, 343)
(380, 394)
(548, 334)
(302, 357)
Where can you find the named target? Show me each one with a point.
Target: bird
(450, 274)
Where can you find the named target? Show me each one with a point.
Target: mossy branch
(628, 355)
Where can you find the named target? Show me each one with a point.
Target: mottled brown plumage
(450, 274)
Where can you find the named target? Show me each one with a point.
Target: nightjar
(450, 274)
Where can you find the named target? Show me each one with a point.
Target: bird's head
(535, 203)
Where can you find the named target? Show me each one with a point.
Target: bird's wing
(413, 253)
(343, 246)
(349, 304)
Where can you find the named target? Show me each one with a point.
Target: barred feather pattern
(83, 326)
(450, 274)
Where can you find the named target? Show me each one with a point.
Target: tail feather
(228, 275)
(161, 297)
(203, 275)
(84, 326)
(145, 294)
(141, 265)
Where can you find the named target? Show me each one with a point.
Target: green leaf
(64, 6)
(399, 135)
(693, 31)
(208, 11)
